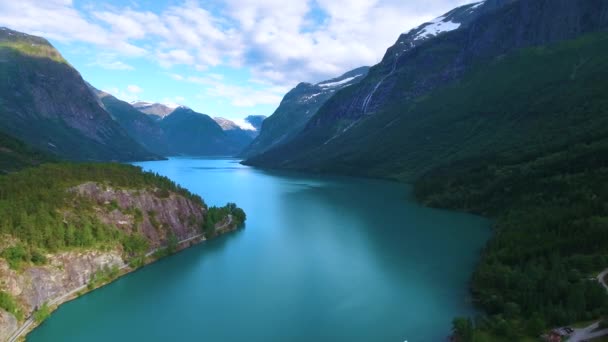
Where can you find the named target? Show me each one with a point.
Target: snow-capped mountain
(156, 110)
(297, 107)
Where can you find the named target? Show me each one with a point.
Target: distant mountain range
(47, 104)
(169, 130)
(155, 110)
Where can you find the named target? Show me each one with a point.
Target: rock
(8, 324)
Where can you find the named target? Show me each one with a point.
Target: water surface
(321, 259)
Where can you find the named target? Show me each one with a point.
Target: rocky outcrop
(64, 272)
(8, 324)
(156, 214)
(153, 213)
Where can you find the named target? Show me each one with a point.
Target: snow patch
(308, 98)
(477, 4)
(436, 27)
(337, 83)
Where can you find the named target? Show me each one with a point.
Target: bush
(15, 256)
(42, 313)
(9, 304)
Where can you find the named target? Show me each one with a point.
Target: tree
(462, 327)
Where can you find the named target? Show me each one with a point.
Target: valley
(454, 190)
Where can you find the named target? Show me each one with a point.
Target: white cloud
(277, 43)
(130, 94)
(134, 89)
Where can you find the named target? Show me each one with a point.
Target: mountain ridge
(47, 104)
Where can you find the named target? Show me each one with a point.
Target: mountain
(155, 110)
(379, 127)
(192, 133)
(141, 127)
(47, 104)
(502, 113)
(15, 155)
(297, 107)
(240, 136)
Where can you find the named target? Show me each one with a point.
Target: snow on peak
(435, 27)
(310, 97)
(477, 4)
(337, 83)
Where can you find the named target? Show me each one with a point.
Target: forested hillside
(15, 155)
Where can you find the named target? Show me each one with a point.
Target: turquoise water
(320, 259)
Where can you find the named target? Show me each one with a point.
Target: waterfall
(368, 98)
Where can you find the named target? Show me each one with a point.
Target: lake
(321, 258)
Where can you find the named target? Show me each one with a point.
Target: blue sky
(229, 58)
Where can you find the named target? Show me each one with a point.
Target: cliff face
(8, 324)
(36, 285)
(154, 214)
(159, 215)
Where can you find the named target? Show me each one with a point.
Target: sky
(228, 58)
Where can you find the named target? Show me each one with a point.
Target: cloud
(110, 61)
(134, 89)
(274, 43)
(130, 94)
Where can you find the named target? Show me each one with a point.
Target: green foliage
(42, 313)
(541, 171)
(9, 304)
(37, 207)
(216, 215)
(15, 155)
(172, 243)
(34, 50)
(103, 276)
(135, 245)
(463, 329)
(15, 256)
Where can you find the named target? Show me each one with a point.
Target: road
(589, 333)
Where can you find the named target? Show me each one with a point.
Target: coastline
(151, 257)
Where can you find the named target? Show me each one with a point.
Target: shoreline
(30, 323)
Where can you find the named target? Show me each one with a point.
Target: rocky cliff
(153, 213)
(161, 217)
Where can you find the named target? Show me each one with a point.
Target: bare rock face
(155, 214)
(64, 273)
(8, 324)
